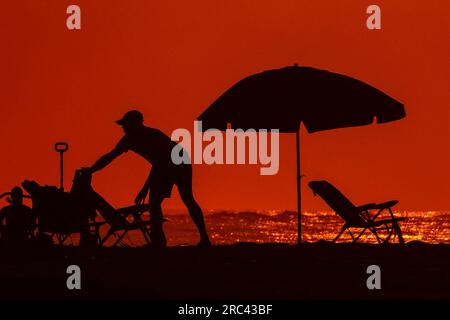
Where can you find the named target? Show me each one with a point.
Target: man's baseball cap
(131, 117)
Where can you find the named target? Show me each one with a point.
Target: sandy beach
(241, 271)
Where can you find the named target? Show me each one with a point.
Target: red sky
(171, 59)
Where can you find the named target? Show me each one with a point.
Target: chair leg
(61, 239)
(98, 235)
(145, 233)
(65, 237)
(391, 232)
(120, 238)
(359, 235)
(396, 227)
(351, 234)
(96, 230)
(374, 231)
(400, 237)
(144, 229)
(340, 233)
(106, 237)
(397, 231)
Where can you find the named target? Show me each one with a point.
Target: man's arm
(107, 158)
(104, 160)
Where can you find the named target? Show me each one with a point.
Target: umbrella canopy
(284, 98)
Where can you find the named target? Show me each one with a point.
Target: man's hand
(141, 196)
(87, 170)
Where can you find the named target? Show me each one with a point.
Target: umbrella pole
(299, 203)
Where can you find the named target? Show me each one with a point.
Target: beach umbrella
(284, 98)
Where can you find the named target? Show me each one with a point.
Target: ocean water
(226, 227)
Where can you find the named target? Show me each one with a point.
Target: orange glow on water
(281, 227)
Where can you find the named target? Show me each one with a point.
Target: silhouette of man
(18, 218)
(156, 147)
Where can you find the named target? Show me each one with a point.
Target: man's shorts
(163, 178)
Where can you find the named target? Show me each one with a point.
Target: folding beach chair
(120, 221)
(123, 220)
(120, 229)
(359, 217)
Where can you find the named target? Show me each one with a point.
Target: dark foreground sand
(241, 271)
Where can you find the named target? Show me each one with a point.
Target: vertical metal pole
(61, 147)
(61, 156)
(299, 203)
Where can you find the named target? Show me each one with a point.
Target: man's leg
(186, 194)
(157, 236)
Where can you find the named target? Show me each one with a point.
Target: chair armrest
(387, 204)
(367, 207)
(384, 205)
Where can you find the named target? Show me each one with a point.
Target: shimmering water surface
(274, 226)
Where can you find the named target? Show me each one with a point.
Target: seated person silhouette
(156, 147)
(16, 220)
